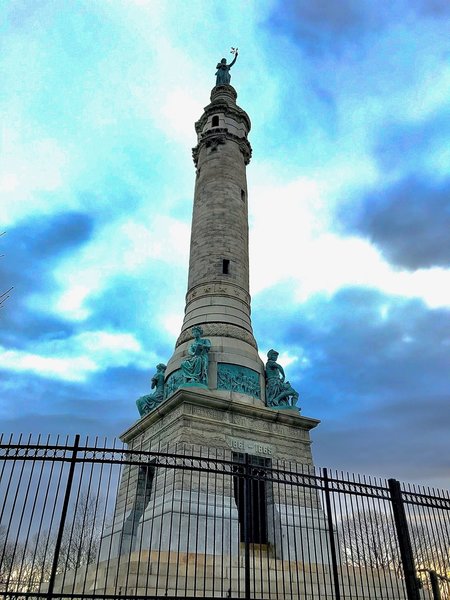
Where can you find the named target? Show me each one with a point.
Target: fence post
(404, 541)
(62, 522)
(246, 525)
(337, 591)
(435, 585)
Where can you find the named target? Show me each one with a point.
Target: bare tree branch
(4, 295)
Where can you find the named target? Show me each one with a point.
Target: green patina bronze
(223, 76)
(174, 381)
(195, 368)
(236, 378)
(279, 393)
(145, 404)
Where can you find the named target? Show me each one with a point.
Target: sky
(349, 200)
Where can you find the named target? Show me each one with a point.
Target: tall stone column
(218, 296)
(221, 413)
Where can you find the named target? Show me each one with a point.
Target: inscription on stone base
(241, 445)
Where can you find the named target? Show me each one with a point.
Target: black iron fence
(95, 520)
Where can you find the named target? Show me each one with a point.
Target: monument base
(178, 527)
(181, 574)
(202, 511)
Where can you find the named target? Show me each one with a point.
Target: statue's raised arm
(235, 52)
(223, 76)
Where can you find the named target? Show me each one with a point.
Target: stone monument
(217, 394)
(185, 533)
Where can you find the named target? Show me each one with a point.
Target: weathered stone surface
(219, 424)
(177, 573)
(221, 415)
(217, 329)
(218, 296)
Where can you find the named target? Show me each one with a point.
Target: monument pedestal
(176, 509)
(223, 421)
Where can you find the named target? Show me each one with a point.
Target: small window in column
(225, 266)
(242, 195)
(215, 121)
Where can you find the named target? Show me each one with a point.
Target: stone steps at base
(177, 574)
(271, 589)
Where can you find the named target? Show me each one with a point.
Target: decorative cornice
(223, 403)
(234, 111)
(213, 138)
(219, 330)
(218, 288)
(223, 90)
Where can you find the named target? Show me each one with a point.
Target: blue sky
(349, 195)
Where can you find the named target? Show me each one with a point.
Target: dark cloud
(407, 147)
(433, 8)
(376, 374)
(104, 404)
(119, 388)
(56, 235)
(373, 368)
(409, 222)
(325, 24)
(127, 303)
(22, 327)
(33, 245)
(404, 448)
(329, 26)
(31, 250)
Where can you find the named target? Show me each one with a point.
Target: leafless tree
(368, 539)
(12, 555)
(81, 538)
(25, 567)
(4, 295)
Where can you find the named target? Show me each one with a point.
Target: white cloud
(285, 358)
(67, 369)
(77, 357)
(71, 302)
(28, 169)
(291, 240)
(172, 323)
(117, 249)
(178, 112)
(114, 345)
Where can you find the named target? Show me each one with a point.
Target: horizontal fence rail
(99, 520)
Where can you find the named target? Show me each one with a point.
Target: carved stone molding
(218, 289)
(214, 138)
(223, 99)
(163, 423)
(256, 425)
(218, 90)
(245, 148)
(219, 330)
(209, 413)
(211, 139)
